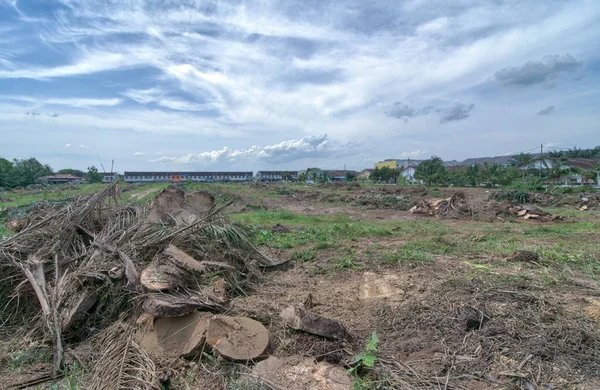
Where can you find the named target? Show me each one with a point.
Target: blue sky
(162, 85)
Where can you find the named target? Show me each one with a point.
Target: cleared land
(477, 299)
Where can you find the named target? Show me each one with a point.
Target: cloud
(138, 154)
(544, 71)
(67, 145)
(72, 102)
(547, 111)
(32, 113)
(413, 154)
(52, 115)
(306, 147)
(84, 146)
(402, 111)
(455, 111)
(159, 97)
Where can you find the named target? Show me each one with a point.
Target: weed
(303, 255)
(367, 357)
(479, 267)
(407, 255)
(346, 262)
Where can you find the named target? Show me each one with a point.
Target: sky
(248, 85)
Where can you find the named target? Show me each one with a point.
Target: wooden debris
(182, 259)
(156, 277)
(302, 319)
(164, 207)
(237, 338)
(78, 309)
(169, 306)
(179, 336)
(300, 373)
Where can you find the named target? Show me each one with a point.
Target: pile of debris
(456, 206)
(504, 210)
(589, 202)
(132, 282)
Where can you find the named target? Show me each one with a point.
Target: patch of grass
(407, 255)
(303, 255)
(346, 262)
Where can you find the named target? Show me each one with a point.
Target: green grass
(303, 255)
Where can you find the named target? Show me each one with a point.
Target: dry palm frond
(122, 363)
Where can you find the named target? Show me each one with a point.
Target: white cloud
(67, 145)
(84, 146)
(159, 97)
(138, 154)
(414, 154)
(72, 102)
(286, 151)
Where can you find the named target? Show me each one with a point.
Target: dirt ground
(445, 323)
(452, 309)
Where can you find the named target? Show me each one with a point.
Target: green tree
(458, 177)
(92, 175)
(27, 171)
(6, 168)
(494, 173)
(69, 171)
(323, 177)
(589, 175)
(558, 168)
(382, 175)
(472, 175)
(432, 171)
(350, 176)
(523, 161)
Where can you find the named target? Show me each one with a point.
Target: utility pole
(541, 158)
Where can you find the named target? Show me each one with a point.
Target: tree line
(523, 168)
(24, 172)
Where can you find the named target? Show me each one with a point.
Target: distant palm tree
(472, 174)
(558, 169)
(494, 173)
(523, 161)
(555, 154)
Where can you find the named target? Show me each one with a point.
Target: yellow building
(387, 163)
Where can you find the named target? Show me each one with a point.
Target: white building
(276, 176)
(177, 177)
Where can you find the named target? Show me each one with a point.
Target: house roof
(277, 172)
(583, 163)
(188, 173)
(61, 176)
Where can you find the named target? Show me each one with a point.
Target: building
(364, 175)
(409, 172)
(61, 178)
(339, 175)
(109, 177)
(405, 163)
(396, 163)
(276, 176)
(177, 177)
